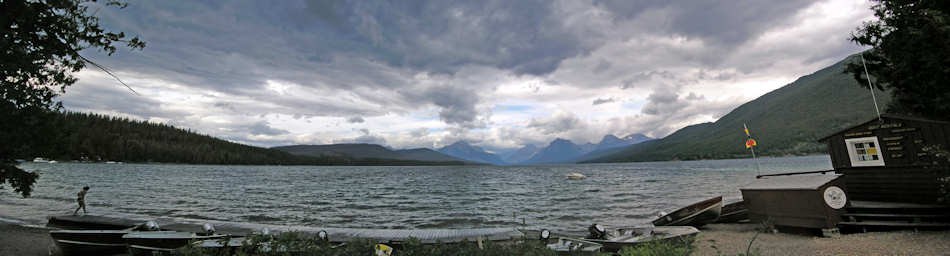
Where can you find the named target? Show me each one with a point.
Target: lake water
(392, 197)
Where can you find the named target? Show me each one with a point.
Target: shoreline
(22, 238)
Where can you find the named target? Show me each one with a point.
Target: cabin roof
(797, 182)
(888, 116)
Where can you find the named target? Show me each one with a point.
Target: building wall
(909, 173)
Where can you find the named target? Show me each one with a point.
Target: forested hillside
(93, 137)
(787, 121)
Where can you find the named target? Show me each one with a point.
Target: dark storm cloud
(599, 101)
(362, 59)
(355, 119)
(662, 102)
(457, 105)
(601, 67)
(263, 128)
(726, 23)
(559, 123)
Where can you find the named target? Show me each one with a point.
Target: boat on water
(95, 242)
(695, 215)
(632, 237)
(576, 176)
(734, 212)
(40, 160)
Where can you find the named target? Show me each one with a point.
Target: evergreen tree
(41, 41)
(910, 56)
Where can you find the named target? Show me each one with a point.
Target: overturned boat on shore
(733, 213)
(695, 215)
(95, 242)
(166, 242)
(632, 237)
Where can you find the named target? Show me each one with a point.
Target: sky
(497, 74)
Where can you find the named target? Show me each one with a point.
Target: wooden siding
(892, 184)
(901, 141)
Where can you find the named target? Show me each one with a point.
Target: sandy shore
(25, 241)
(732, 239)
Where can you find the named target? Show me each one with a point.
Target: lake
(400, 197)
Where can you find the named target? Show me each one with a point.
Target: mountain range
(463, 150)
(786, 121)
(368, 151)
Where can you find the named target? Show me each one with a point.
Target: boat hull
(89, 242)
(69, 247)
(695, 215)
(733, 212)
(161, 242)
(669, 234)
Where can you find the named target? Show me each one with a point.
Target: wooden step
(893, 205)
(893, 215)
(896, 224)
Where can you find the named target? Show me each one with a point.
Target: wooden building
(891, 159)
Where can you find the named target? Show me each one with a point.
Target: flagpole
(757, 166)
(752, 147)
(870, 86)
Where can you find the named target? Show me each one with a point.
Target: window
(864, 152)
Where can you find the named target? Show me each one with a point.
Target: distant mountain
(587, 147)
(522, 154)
(367, 151)
(95, 137)
(463, 150)
(611, 141)
(637, 138)
(559, 151)
(786, 121)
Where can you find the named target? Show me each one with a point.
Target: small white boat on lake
(576, 176)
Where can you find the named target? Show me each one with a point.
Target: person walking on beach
(81, 199)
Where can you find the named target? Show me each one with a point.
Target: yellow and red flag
(749, 142)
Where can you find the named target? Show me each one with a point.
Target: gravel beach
(732, 239)
(16, 240)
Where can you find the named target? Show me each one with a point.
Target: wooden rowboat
(614, 241)
(695, 215)
(733, 212)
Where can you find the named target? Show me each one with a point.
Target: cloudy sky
(499, 74)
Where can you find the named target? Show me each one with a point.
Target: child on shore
(81, 199)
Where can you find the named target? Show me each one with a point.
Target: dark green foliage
(21, 181)
(787, 121)
(671, 247)
(93, 137)
(41, 41)
(911, 55)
